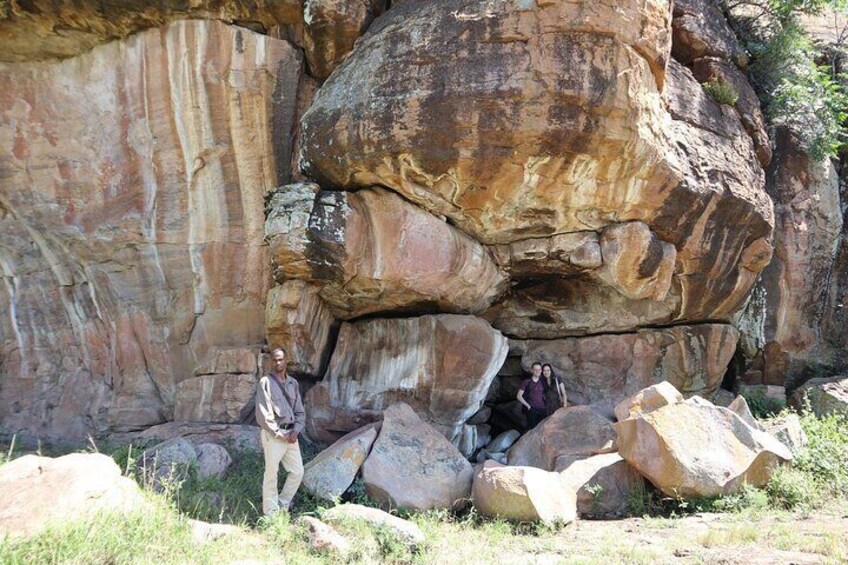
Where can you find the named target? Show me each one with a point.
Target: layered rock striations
(46, 29)
(441, 366)
(546, 172)
(561, 142)
(131, 205)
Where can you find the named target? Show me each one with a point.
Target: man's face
(279, 359)
(537, 370)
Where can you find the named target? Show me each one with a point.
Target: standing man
(280, 414)
(531, 394)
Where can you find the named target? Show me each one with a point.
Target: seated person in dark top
(531, 394)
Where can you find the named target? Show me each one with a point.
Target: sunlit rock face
(331, 27)
(132, 181)
(35, 30)
(801, 293)
(372, 251)
(441, 366)
(533, 122)
(605, 369)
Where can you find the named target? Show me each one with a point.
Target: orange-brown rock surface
(372, 251)
(45, 29)
(440, 365)
(606, 369)
(693, 448)
(331, 27)
(795, 302)
(131, 206)
(561, 142)
(297, 320)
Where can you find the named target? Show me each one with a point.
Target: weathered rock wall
(131, 206)
(546, 172)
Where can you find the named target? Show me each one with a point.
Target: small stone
(403, 530)
(323, 537)
(212, 461)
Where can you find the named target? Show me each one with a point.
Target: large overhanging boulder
(694, 448)
(605, 369)
(372, 251)
(440, 365)
(561, 142)
(131, 208)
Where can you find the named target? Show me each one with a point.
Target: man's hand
(291, 437)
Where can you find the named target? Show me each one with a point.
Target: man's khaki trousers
(279, 452)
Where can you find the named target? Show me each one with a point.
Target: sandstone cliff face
(468, 172)
(131, 189)
(45, 29)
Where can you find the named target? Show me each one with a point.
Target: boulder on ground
(826, 396)
(503, 441)
(741, 408)
(576, 430)
(787, 428)
(213, 460)
(322, 537)
(413, 466)
(168, 461)
(403, 530)
(604, 483)
(647, 400)
(41, 491)
(694, 448)
(481, 416)
(525, 494)
(204, 532)
(330, 474)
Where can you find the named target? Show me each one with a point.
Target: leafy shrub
(791, 488)
(721, 91)
(761, 406)
(794, 89)
(825, 458)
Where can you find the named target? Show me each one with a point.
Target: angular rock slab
(695, 449)
(604, 484)
(224, 399)
(330, 474)
(134, 178)
(826, 396)
(40, 491)
(239, 436)
(525, 494)
(577, 430)
(297, 320)
(413, 466)
(403, 530)
(789, 431)
(373, 251)
(604, 370)
(562, 142)
(440, 365)
(647, 400)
